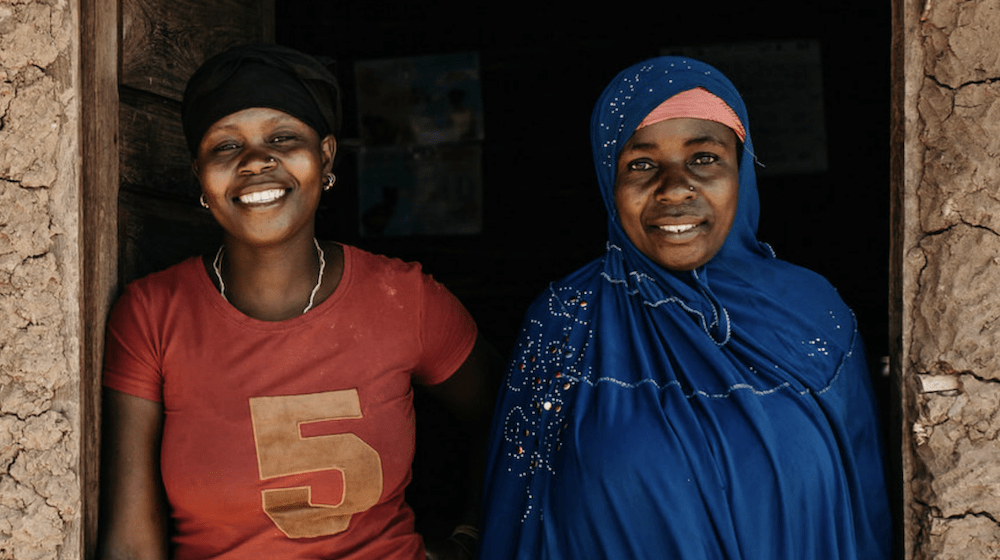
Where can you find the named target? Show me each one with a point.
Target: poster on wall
(421, 123)
(420, 100)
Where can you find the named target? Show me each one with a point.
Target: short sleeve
(130, 358)
(447, 333)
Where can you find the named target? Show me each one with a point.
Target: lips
(262, 197)
(679, 228)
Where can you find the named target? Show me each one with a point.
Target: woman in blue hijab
(688, 395)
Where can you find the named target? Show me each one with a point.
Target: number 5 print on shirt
(281, 451)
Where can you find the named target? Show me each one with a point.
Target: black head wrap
(260, 75)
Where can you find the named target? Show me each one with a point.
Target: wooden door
(162, 43)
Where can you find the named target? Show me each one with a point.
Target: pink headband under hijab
(696, 103)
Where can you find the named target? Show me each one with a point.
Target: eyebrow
(706, 138)
(702, 139)
(275, 120)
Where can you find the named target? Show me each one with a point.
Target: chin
(680, 263)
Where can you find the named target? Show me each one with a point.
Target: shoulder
(165, 284)
(780, 278)
(775, 291)
(139, 317)
(368, 265)
(568, 296)
(379, 276)
(586, 276)
(802, 285)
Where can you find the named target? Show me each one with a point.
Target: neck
(271, 283)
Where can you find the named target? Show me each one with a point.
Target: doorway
(541, 70)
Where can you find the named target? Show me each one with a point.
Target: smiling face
(261, 172)
(676, 190)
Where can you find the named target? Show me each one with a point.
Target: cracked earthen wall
(951, 278)
(39, 277)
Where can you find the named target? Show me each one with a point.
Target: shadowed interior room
(541, 68)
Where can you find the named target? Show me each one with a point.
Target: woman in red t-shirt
(259, 399)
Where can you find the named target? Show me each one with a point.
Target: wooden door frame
(899, 448)
(99, 62)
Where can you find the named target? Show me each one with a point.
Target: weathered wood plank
(99, 271)
(900, 463)
(154, 156)
(163, 42)
(155, 233)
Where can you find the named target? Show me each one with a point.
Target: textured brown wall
(951, 287)
(39, 350)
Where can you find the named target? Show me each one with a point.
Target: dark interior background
(542, 68)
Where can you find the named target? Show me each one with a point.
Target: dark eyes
(640, 166)
(698, 159)
(278, 139)
(225, 147)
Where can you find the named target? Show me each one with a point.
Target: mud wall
(951, 291)
(39, 279)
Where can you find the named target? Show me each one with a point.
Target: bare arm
(468, 394)
(133, 510)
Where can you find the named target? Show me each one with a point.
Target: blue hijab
(721, 413)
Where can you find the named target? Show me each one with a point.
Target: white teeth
(262, 197)
(678, 229)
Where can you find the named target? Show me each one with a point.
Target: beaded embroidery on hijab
(260, 75)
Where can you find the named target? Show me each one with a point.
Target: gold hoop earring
(330, 180)
(204, 203)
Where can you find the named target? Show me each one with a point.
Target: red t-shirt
(290, 439)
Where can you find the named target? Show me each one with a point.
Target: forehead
(255, 116)
(681, 132)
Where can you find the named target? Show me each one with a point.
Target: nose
(675, 187)
(257, 161)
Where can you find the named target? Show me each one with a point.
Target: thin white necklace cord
(319, 278)
(217, 266)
